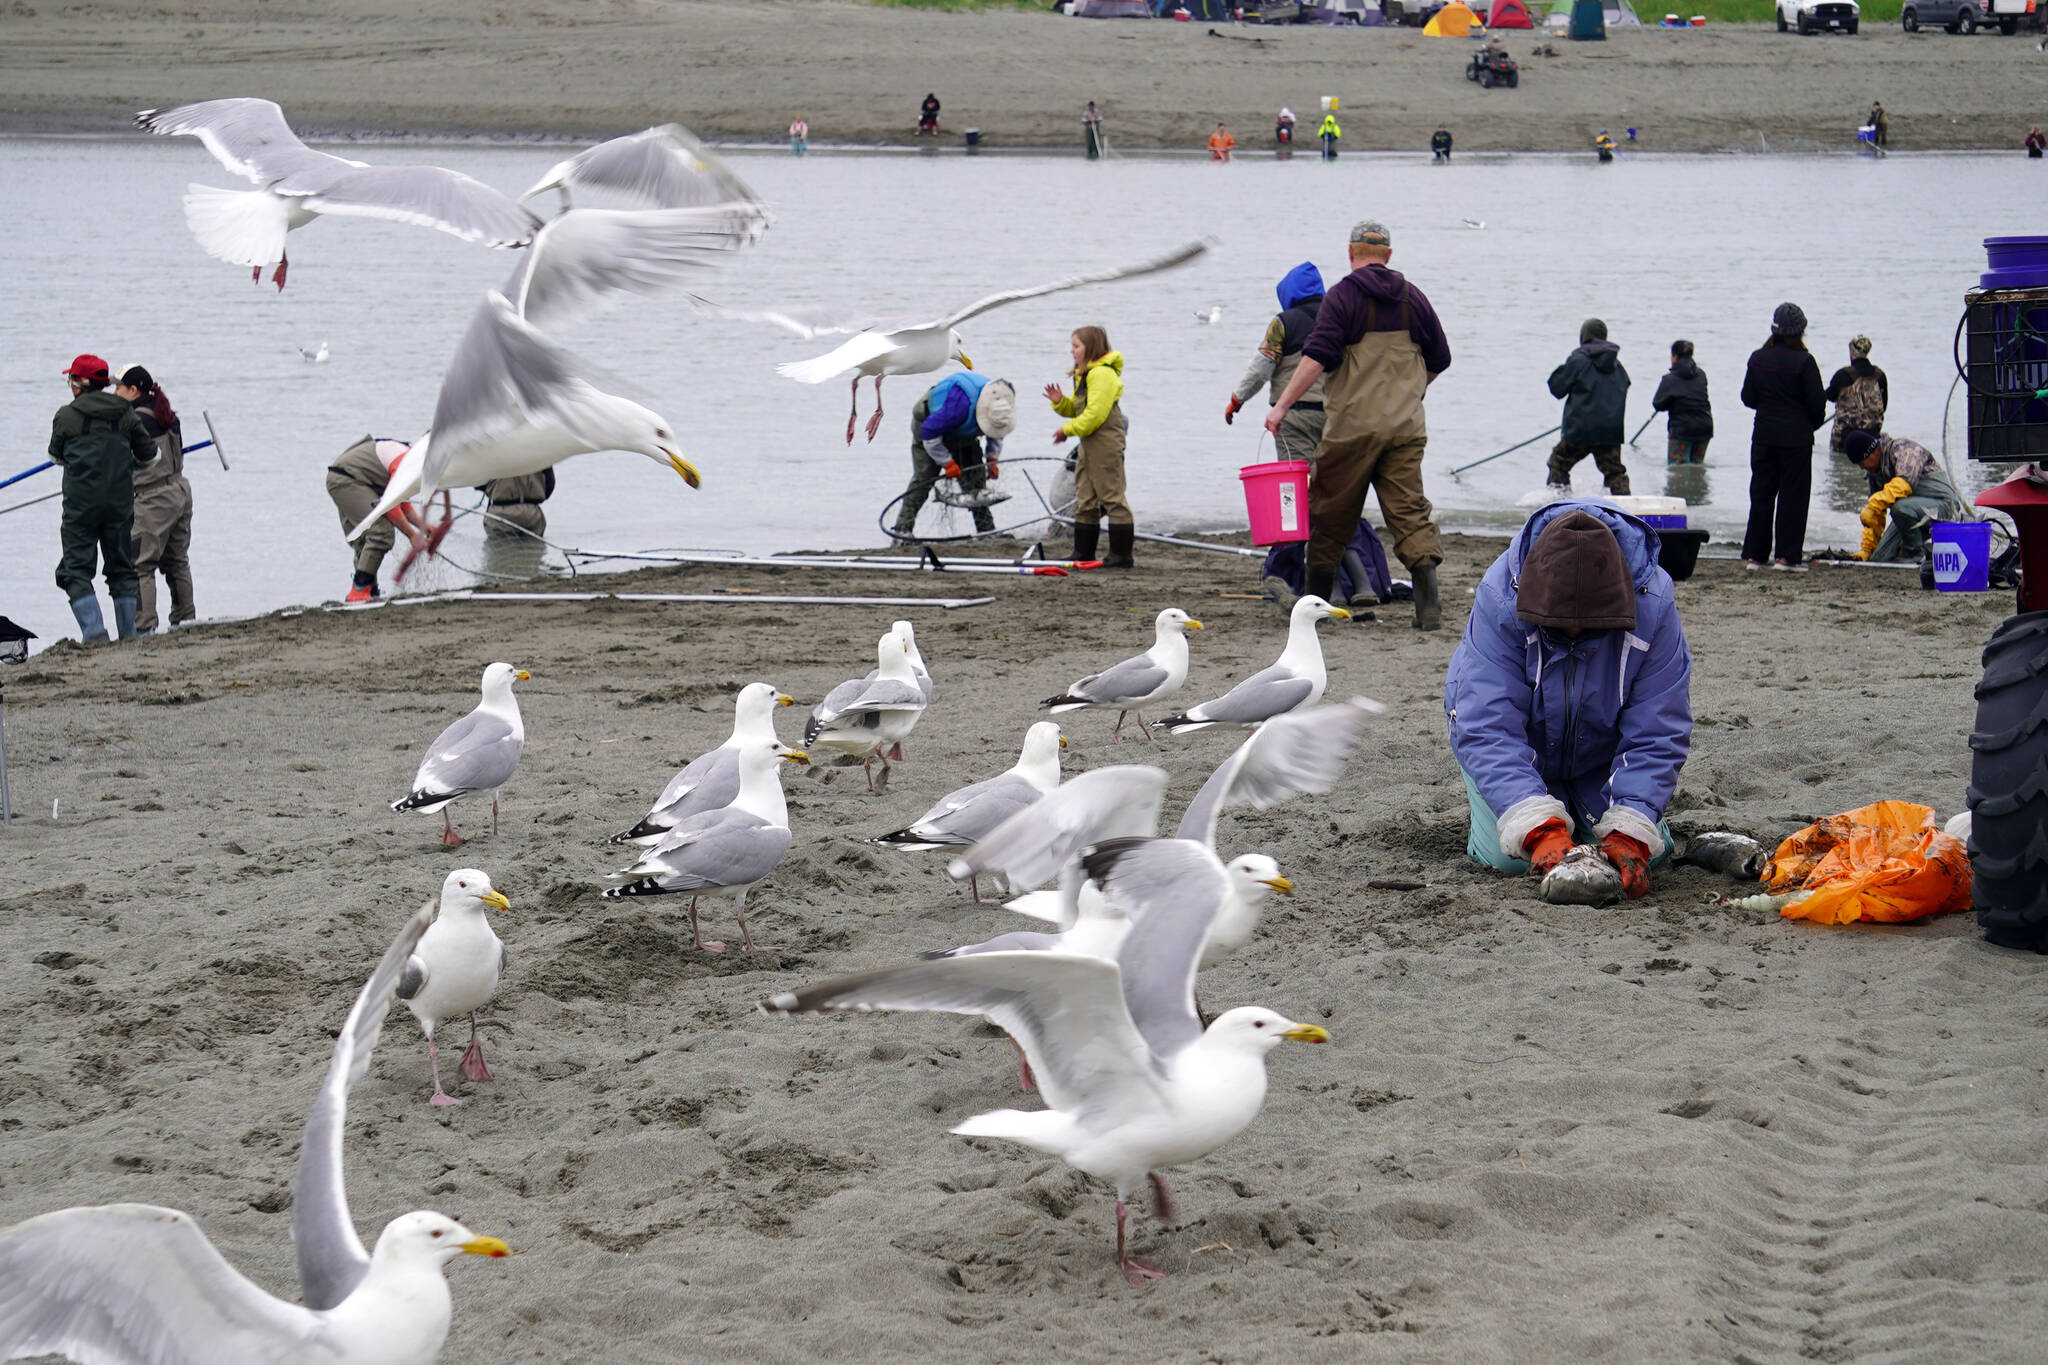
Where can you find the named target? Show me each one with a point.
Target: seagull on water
(920, 346)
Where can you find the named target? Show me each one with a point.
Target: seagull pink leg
(875, 422)
(442, 1099)
(283, 264)
(473, 1058)
(696, 937)
(494, 817)
(1025, 1080)
(1162, 1200)
(1137, 1272)
(853, 411)
(1117, 735)
(449, 838)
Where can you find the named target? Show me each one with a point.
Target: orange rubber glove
(952, 469)
(995, 471)
(1546, 846)
(1230, 410)
(1632, 860)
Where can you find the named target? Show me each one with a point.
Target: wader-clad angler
(100, 443)
(162, 537)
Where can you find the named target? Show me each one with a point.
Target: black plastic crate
(2004, 352)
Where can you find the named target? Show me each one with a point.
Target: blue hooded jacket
(951, 405)
(1603, 720)
(1299, 285)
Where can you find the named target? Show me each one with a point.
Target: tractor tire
(2008, 794)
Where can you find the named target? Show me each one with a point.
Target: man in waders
(356, 482)
(1329, 133)
(100, 443)
(947, 428)
(1381, 345)
(514, 523)
(1091, 131)
(1594, 386)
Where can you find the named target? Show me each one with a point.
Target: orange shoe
(360, 595)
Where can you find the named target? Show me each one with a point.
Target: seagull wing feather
(1177, 257)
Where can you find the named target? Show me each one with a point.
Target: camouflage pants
(1565, 454)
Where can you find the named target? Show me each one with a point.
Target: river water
(99, 260)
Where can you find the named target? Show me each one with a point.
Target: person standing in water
(1440, 144)
(162, 534)
(1220, 143)
(1782, 385)
(799, 135)
(2035, 142)
(1604, 145)
(1328, 135)
(1860, 393)
(1688, 416)
(1594, 387)
(1095, 414)
(1091, 131)
(99, 442)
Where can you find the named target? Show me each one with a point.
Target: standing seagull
(711, 781)
(874, 722)
(1132, 1081)
(840, 697)
(477, 753)
(297, 184)
(1296, 679)
(455, 970)
(722, 852)
(1138, 682)
(963, 817)
(880, 348)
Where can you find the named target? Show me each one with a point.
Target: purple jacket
(1343, 317)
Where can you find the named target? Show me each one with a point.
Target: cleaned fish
(1731, 854)
(1583, 877)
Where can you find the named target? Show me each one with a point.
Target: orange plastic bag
(1883, 863)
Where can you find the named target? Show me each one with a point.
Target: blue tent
(1589, 21)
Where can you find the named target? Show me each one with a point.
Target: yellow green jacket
(1329, 128)
(1104, 385)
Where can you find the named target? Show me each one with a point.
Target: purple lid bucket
(2016, 263)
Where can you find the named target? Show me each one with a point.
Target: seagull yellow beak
(1063, 741)
(1280, 884)
(520, 675)
(965, 361)
(684, 468)
(1340, 613)
(1194, 625)
(486, 1246)
(496, 898)
(1306, 1033)
(784, 699)
(797, 756)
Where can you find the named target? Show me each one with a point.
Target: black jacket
(1682, 393)
(1783, 385)
(1594, 387)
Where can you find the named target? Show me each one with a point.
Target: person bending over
(947, 427)
(1569, 698)
(1912, 493)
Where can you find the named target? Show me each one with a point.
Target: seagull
(880, 348)
(512, 401)
(722, 852)
(663, 167)
(455, 970)
(477, 753)
(961, 818)
(297, 184)
(1133, 1082)
(874, 721)
(837, 700)
(1136, 682)
(1211, 315)
(1296, 679)
(318, 357)
(1477, 225)
(332, 1261)
(711, 781)
(135, 1283)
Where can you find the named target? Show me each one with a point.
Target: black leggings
(1780, 486)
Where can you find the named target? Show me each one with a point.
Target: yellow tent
(1452, 21)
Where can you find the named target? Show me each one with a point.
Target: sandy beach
(1662, 1131)
(738, 70)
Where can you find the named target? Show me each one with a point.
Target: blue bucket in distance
(1962, 556)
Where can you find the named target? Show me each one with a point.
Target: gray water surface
(99, 259)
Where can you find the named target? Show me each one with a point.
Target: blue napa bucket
(2016, 262)
(1962, 556)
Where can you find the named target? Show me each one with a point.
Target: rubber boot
(1121, 539)
(1320, 583)
(91, 629)
(124, 617)
(1087, 534)
(1429, 612)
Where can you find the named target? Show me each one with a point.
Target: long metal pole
(1509, 451)
(1641, 429)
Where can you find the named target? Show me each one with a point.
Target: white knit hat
(995, 412)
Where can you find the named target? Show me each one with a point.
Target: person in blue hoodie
(947, 428)
(1570, 696)
(1279, 353)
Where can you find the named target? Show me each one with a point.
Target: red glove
(1230, 410)
(1632, 860)
(952, 469)
(995, 471)
(1546, 846)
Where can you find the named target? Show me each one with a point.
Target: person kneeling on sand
(1570, 697)
(1912, 493)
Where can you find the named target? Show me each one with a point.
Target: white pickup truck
(1820, 16)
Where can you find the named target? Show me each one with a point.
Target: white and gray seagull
(875, 720)
(456, 969)
(1295, 679)
(840, 697)
(961, 818)
(917, 346)
(711, 781)
(1129, 687)
(478, 753)
(664, 167)
(1133, 1082)
(297, 184)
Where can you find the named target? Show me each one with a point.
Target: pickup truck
(1968, 16)
(1822, 16)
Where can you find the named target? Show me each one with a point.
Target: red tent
(1509, 14)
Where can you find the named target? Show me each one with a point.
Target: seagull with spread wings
(916, 346)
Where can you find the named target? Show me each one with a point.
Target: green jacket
(1095, 393)
(100, 442)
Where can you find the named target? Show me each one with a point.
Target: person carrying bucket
(1913, 492)
(1273, 365)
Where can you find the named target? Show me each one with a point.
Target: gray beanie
(1788, 321)
(1592, 329)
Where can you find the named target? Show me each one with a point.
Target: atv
(1493, 68)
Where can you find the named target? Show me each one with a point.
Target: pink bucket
(1276, 500)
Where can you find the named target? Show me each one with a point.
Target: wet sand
(739, 71)
(1667, 1130)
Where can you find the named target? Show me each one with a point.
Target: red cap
(88, 367)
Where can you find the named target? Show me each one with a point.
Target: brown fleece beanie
(1575, 576)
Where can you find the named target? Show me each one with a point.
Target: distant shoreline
(737, 71)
